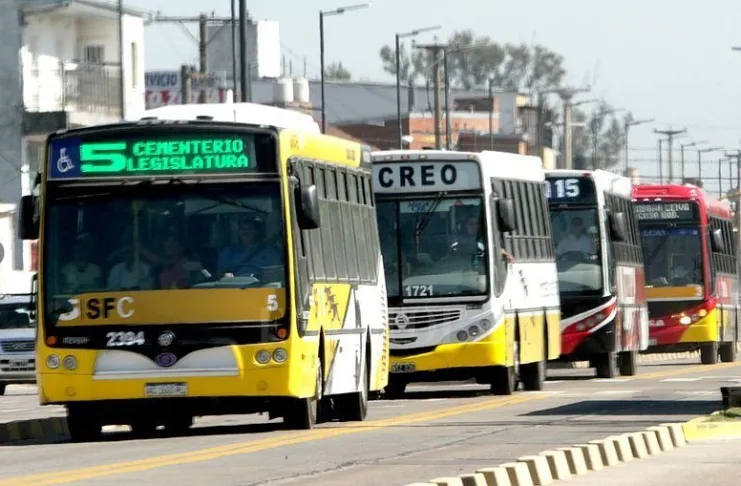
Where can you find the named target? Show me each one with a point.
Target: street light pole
(699, 160)
(681, 152)
(628, 124)
(399, 36)
(322, 14)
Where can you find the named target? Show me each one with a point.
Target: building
(69, 75)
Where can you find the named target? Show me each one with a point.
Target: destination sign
(663, 211)
(154, 151)
(569, 189)
(404, 177)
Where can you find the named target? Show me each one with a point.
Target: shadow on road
(631, 407)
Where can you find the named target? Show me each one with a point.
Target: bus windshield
(576, 237)
(440, 244)
(108, 238)
(673, 256)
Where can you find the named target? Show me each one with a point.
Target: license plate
(165, 389)
(653, 342)
(19, 364)
(403, 368)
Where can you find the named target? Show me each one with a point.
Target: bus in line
(690, 248)
(206, 260)
(604, 315)
(470, 270)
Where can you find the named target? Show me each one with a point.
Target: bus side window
(499, 276)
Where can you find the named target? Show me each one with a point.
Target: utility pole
(436, 49)
(670, 134)
(699, 159)
(626, 128)
(737, 157)
(567, 95)
(681, 151)
(122, 82)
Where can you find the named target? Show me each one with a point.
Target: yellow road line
(62, 477)
(686, 371)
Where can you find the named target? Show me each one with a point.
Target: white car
(17, 341)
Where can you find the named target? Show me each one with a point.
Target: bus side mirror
(308, 208)
(28, 224)
(618, 226)
(716, 241)
(506, 215)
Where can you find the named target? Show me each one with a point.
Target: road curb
(49, 428)
(642, 359)
(562, 463)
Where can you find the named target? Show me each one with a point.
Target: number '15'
(113, 154)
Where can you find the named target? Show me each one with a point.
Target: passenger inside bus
(128, 275)
(174, 274)
(81, 275)
(251, 255)
(576, 239)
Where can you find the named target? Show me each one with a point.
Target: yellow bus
(206, 260)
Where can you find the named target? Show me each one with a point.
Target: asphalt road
(437, 431)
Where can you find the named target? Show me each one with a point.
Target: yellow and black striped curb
(565, 462)
(49, 428)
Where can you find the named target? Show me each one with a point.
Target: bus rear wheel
(728, 352)
(353, 407)
(396, 387)
(709, 354)
(503, 380)
(628, 361)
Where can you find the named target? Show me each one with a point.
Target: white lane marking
(610, 380)
(678, 380)
(699, 393)
(14, 410)
(616, 392)
(555, 381)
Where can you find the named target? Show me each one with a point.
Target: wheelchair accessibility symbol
(64, 163)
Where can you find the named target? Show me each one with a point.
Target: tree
(598, 142)
(473, 60)
(336, 71)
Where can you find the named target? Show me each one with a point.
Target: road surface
(436, 431)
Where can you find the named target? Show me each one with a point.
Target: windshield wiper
(422, 224)
(205, 194)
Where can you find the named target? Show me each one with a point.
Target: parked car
(17, 341)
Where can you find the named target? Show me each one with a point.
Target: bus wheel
(2, 389)
(302, 413)
(606, 367)
(503, 380)
(144, 428)
(395, 388)
(628, 361)
(728, 352)
(354, 406)
(82, 427)
(178, 425)
(709, 353)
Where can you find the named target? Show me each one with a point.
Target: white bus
(600, 269)
(470, 269)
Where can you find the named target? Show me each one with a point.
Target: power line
(671, 134)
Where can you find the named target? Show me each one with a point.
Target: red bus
(690, 252)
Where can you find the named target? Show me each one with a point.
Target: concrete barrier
(638, 445)
(558, 464)
(50, 428)
(677, 434)
(452, 481)
(519, 473)
(495, 476)
(622, 447)
(575, 459)
(540, 472)
(607, 451)
(663, 436)
(475, 479)
(592, 456)
(652, 443)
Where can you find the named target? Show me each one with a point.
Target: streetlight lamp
(412, 33)
(699, 160)
(681, 151)
(322, 14)
(632, 123)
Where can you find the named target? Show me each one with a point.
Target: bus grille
(421, 319)
(17, 346)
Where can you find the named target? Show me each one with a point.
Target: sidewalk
(713, 463)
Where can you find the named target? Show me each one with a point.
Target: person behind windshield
(174, 275)
(471, 240)
(576, 240)
(80, 275)
(251, 254)
(127, 275)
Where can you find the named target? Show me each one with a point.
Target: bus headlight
(69, 362)
(485, 324)
(280, 355)
(52, 361)
(462, 336)
(685, 320)
(474, 331)
(263, 356)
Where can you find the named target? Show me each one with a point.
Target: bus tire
(532, 375)
(2, 389)
(178, 425)
(628, 363)
(504, 380)
(353, 407)
(728, 352)
(605, 365)
(395, 388)
(709, 353)
(144, 427)
(82, 426)
(302, 413)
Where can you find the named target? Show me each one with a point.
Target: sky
(667, 60)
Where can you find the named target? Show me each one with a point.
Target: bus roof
(500, 165)
(249, 113)
(673, 192)
(604, 181)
